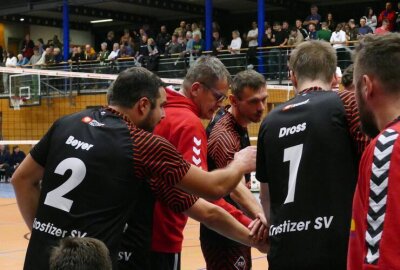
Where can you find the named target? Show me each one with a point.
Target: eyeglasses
(217, 94)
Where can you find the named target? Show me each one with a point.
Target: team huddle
(131, 173)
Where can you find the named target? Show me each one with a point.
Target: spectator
(76, 253)
(236, 43)
(188, 41)
(55, 42)
(104, 53)
(364, 28)
(173, 46)
(269, 37)
(353, 30)
(75, 56)
(90, 53)
(27, 47)
(183, 39)
(195, 27)
(384, 29)
(299, 26)
(5, 163)
(21, 60)
(295, 37)
(216, 27)
(182, 27)
(312, 32)
(330, 22)
(390, 15)
(35, 57)
(115, 52)
(11, 60)
(162, 39)
(154, 54)
(198, 43)
(16, 158)
(125, 37)
(281, 38)
(324, 34)
(41, 46)
(285, 27)
(398, 18)
(371, 18)
(110, 39)
(48, 55)
(314, 17)
(252, 37)
(218, 43)
(131, 47)
(347, 78)
(338, 38)
(123, 52)
(58, 58)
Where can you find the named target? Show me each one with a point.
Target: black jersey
(306, 155)
(94, 161)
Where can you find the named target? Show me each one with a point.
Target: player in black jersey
(308, 153)
(84, 175)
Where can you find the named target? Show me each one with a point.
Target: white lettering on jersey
(285, 131)
(78, 144)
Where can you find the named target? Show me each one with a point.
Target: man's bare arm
(249, 204)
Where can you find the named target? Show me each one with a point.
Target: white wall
(13, 31)
(46, 32)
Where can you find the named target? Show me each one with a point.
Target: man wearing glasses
(202, 93)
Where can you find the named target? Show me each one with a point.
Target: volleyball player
(307, 161)
(374, 237)
(92, 164)
(227, 134)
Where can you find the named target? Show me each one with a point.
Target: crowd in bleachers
(144, 46)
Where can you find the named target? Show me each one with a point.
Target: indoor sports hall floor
(14, 235)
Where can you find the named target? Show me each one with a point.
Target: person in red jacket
(374, 239)
(204, 88)
(388, 14)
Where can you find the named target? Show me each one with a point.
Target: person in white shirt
(236, 43)
(115, 52)
(338, 38)
(252, 35)
(11, 61)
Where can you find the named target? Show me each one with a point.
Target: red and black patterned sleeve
(222, 146)
(154, 157)
(353, 119)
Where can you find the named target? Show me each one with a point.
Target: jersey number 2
(293, 155)
(55, 197)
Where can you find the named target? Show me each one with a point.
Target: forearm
(243, 196)
(27, 200)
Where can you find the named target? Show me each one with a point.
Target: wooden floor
(14, 234)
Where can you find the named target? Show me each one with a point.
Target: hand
(246, 159)
(259, 239)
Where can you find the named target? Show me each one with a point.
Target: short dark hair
(75, 253)
(313, 60)
(246, 78)
(131, 85)
(380, 56)
(347, 77)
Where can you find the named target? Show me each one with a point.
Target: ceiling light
(22, 19)
(102, 21)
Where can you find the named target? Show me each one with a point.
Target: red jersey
(183, 128)
(374, 238)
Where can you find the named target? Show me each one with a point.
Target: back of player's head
(247, 78)
(206, 69)
(80, 254)
(313, 60)
(379, 56)
(131, 85)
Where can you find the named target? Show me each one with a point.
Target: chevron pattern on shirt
(378, 193)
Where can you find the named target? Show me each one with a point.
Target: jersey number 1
(55, 197)
(293, 155)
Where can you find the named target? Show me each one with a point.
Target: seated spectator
(295, 37)
(162, 39)
(312, 32)
(75, 56)
(123, 52)
(16, 158)
(58, 58)
(389, 15)
(299, 26)
(371, 18)
(5, 161)
(330, 22)
(364, 28)
(218, 43)
(181, 28)
(104, 52)
(188, 41)
(153, 58)
(173, 46)
(131, 47)
(90, 53)
(198, 44)
(384, 29)
(11, 60)
(353, 31)
(115, 52)
(125, 37)
(41, 45)
(236, 43)
(48, 55)
(21, 60)
(347, 78)
(35, 57)
(80, 254)
(324, 34)
(338, 38)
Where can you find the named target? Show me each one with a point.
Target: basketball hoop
(16, 102)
